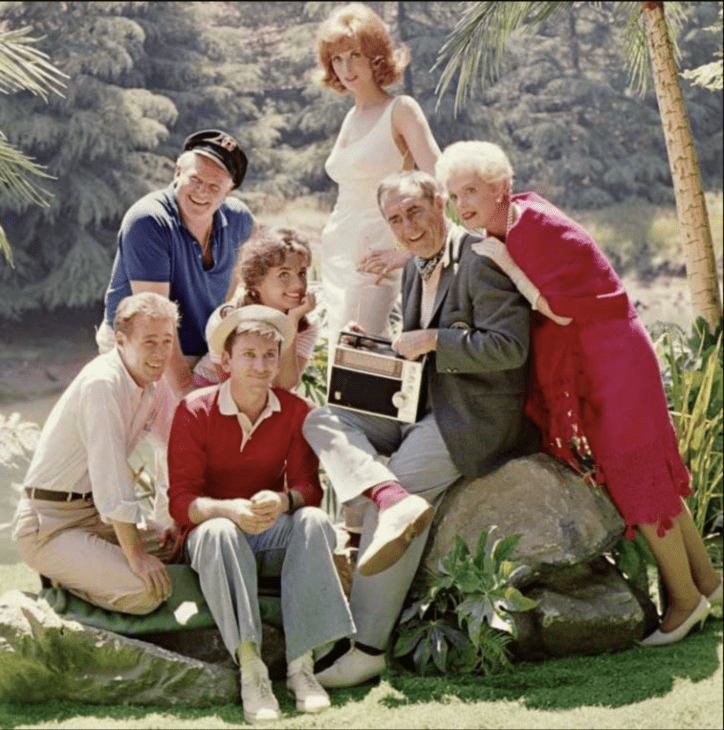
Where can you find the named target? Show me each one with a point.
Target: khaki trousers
(70, 544)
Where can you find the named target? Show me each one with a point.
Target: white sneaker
(397, 527)
(352, 668)
(302, 684)
(259, 702)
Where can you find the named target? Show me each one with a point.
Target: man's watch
(292, 503)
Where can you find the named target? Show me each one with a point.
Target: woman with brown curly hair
(272, 267)
(381, 134)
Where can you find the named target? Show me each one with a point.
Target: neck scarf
(427, 266)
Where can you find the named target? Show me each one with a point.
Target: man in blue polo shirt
(182, 242)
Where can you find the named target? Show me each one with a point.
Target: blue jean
(297, 547)
(350, 447)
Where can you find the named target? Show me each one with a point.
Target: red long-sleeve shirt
(206, 457)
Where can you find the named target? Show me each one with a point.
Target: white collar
(227, 407)
(135, 390)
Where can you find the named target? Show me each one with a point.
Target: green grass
(666, 687)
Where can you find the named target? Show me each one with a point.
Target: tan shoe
(397, 527)
(304, 687)
(260, 704)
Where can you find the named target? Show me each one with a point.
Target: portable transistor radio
(368, 376)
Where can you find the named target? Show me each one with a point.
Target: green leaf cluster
(694, 381)
(462, 622)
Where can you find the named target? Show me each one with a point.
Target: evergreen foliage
(143, 75)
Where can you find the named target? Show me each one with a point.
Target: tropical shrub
(461, 622)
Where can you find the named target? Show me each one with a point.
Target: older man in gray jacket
(467, 316)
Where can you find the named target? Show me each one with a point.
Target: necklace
(512, 218)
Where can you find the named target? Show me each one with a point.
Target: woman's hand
(542, 306)
(382, 262)
(308, 303)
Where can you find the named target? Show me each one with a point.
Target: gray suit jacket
(478, 376)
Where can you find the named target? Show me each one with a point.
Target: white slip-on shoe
(304, 687)
(260, 704)
(397, 527)
(352, 668)
(661, 638)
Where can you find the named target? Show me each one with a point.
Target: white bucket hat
(227, 317)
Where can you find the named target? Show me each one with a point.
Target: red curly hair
(357, 26)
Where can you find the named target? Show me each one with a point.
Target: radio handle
(362, 336)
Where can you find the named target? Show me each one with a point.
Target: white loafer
(352, 668)
(397, 527)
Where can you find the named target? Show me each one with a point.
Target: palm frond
(474, 50)
(5, 247)
(23, 67)
(638, 60)
(14, 170)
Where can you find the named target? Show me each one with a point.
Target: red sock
(386, 494)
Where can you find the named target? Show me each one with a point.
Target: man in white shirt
(79, 521)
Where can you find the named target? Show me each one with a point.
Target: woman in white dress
(381, 134)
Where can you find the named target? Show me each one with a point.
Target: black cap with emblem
(222, 148)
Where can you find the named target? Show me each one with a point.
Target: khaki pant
(70, 544)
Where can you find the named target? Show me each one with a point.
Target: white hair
(482, 158)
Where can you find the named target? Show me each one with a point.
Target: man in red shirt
(233, 447)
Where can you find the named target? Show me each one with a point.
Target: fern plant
(462, 623)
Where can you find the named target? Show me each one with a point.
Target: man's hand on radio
(352, 341)
(415, 343)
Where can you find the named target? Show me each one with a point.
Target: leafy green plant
(694, 383)
(461, 623)
(313, 384)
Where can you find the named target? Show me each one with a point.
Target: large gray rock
(561, 520)
(585, 605)
(587, 609)
(45, 657)
(207, 645)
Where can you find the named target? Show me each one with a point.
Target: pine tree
(96, 141)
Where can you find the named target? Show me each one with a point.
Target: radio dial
(399, 400)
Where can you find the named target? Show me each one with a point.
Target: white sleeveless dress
(357, 227)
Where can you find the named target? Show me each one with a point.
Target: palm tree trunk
(688, 189)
